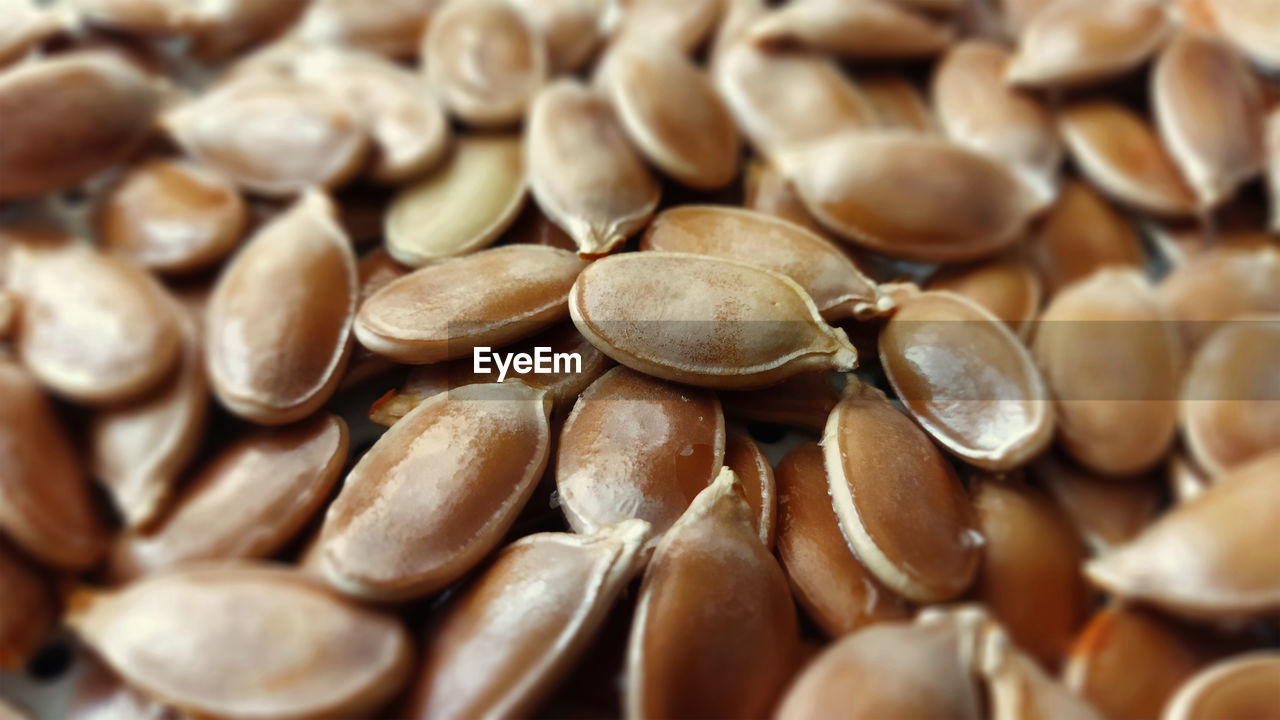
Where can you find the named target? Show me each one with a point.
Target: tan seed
(682, 24)
(490, 657)
(278, 327)
(1105, 513)
(572, 30)
(1018, 14)
(1080, 234)
(436, 493)
(1007, 286)
(1019, 688)
(927, 550)
(967, 380)
(704, 321)
(532, 227)
(158, 18)
(462, 206)
(25, 25)
(240, 24)
(745, 458)
(962, 205)
(766, 190)
(490, 298)
(1219, 285)
(715, 631)
(897, 103)
(27, 608)
(247, 502)
(735, 26)
(862, 29)
(1251, 26)
(312, 654)
(827, 578)
(393, 29)
(803, 400)
(1240, 687)
(1081, 42)
(375, 270)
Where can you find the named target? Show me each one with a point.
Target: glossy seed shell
(861, 29)
(1241, 687)
(1006, 286)
(745, 458)
(1079, 42)
(1080, 234)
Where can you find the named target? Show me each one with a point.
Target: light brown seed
(1119, 152)
(1007, 286)
(583, 171)
(1019, 688)
(375, 270)
(1081, 42)
(1239, 687)
(572, 30)
(241, 24)
(342, 661)
(1112, 357)
(393, 29)
(1184, 478)
(137, 451)
(978, 110)
(100, 695)
(834, 283)
(490, 657)
(533, 227)
(485, 61)
(862, 29)
(637, 447)
(1080, 234)
(247, 502)
(962, 205)
(278, 328)
(827, 578)
(735, 26)
(897, 103)
(69, 117)
(967, 380)
(172, 216)
(94, 327)
(1219, 285)
(437, 492)
(491, 298)
(704, 321)
(745, 458)
(158, 18)
(715, 631)
(25, 25)
(1018, 14)
(927, 550)
(1105, 513)
(672, 113)
(27, 608)
(275, 136)
(682, 24)
(803, 400)
(462, 206)
(1209, 111)
(766, 190)
(1200, 559)
(1251, 26)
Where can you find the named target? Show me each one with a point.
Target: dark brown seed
(745, 458)
(27, 608)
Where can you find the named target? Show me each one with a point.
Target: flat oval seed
(572, 30)
(69, 117)
(897, 102)
(745, 458)
(393, 28)
(967, 380)
(1230, 407)
(172, 216)
(1017, 14)
(1120, 153)
(704, 321)
(803, 400)
(962, 204)
(672, 113)
(437, 492)
(1111, 357)
(637, 447)
(1105, 513)
(27, 608)
(715, 631)
(1080, 42)
(1239, 687)
(1018, 688)
(1006, 286)
(137, 451)
(342, 661)
(278, 327)
(1218, 285)
(485, 61)
(1200, 559)
(100, 695)
(827, 578)
(94, 327)
(1080, 234)
(668, 23)
(767, 191)
(583, 171)
(977, 109)
(25, 25)
(1209, 109)
(1250, 25)
(461, 207)
(275, 136)
(490, 657)
(247, 502)
(860, 29)
(927, 550)
(490, 298)
(834, 283)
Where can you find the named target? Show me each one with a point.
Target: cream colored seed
(485, 61)
(436, 493)
(1243, 686)
(27, 608)
(1219, 285)
(704, 321)
(23, 25)
(1080, 234)
(1080, 42)
(735, 25)
(896, 102)
(489, 657)
(583, 171)
(1007, 286)
(230, 511)
(863, 29)
(278, 327)
(241, 24)
(1251, 26)
(392, 28)
(682, 24)
(343, 661)
(715, 629)
(1105, 513)
(1017, 687)
(461, 207)
(491, 298)
(962, 205)
(572, 30)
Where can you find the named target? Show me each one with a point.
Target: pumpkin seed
(682, 24)
(715, 630)
(1006, 286)
(1080, 234)
(1250, 26)
(393, 29)
(437, 492)
(745, 458)
(897, 103)
(803, 400)
(862, 29)
(766, 190)
(520, 652)
(876, 455)
(583, 171)
(1083, 42)
(342, 661)
(26, 25)
(240, 24)
(27, 609)
(704, 321)
(1017, 687)
(735, 24)
(532, 227)
(1105, 513)
(374, 271)
(572, 30)
(461, 207)
(1018, 14)
(305, 255)
(1219, 285)
(1243, 686)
